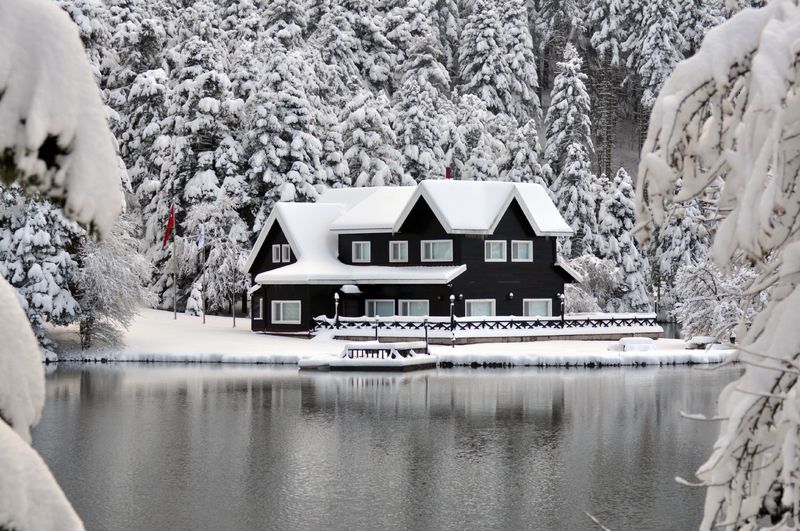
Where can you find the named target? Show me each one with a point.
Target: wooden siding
(263, 261)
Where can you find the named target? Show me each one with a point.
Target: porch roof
(334, 272)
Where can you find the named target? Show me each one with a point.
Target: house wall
(314, 300)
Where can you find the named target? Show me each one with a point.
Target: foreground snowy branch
(733, 111)
(53, 140)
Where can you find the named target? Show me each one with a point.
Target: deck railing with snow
(485, 323)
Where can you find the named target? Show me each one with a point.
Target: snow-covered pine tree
(615, 242)
(576, 199)
(37, 245)
(283, 143)
(369, 142)
(196, 148)
(375, 54)
(524, 152)
(419, 129)
(657, 47)
(473, 152)
(567, 122)
(425, 65)
(695, 18)
(445, 18)
(285, 23)
(109, 284)
(524, 103)
(607, 19)
(485, 72)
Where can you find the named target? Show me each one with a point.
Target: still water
(209, 447)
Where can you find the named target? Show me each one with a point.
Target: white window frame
(549, 307)
(431, 242)
(526, 243)
(260, 315)
(275, 304)
(486, 245)
(286, 253)
(398, 244)
(373, 301)
(468, 301)
(276, 253)
(408, 302)
(368, 246)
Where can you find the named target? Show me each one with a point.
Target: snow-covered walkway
(156, 337)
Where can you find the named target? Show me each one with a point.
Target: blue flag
(201, 238)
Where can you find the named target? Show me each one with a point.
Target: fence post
(377, 324)
(427, 350)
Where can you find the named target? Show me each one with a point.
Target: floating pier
(376, 356)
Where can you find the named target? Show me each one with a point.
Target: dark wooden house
(405, 250)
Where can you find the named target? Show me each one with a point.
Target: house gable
(263, 257)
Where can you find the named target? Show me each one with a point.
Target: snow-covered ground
(155, 336)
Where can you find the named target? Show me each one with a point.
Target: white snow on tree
(419, 131)
(615, 242)
(369, 142)
(730, 111)
(109, 285)
(53, 140)
(576, 199)
(712, 302)
(523, 158)
(599, 286)
(474, 152)
(36, 247)
(567, 121)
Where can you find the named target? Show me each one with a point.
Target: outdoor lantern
(510, 296)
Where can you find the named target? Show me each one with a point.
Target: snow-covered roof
(335, 272)
(462, 207)
(377, 212)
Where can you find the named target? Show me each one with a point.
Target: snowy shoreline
(155, 337)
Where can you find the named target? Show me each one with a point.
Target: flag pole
(174, 271)
(204, 281)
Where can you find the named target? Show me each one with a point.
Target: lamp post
(561, 299)
(452, 321)
(336, 309)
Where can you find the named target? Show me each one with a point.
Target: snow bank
(30, 498)
(156, 337)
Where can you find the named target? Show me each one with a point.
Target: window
(522, 251)
(480, 307)
(286, 312)
(494, 251)
(286, 253)
(416, 308)
(398, 251)
(380, 307)
(361, 252)
(276, 254)
(537, 307)
(257, 308)
(437, 250)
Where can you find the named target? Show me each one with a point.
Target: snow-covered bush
(109, 284)
(731, 111)
(598, 288)
(53, 140)
(713, 302)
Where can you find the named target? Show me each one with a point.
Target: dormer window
(437, 250)
(522, 251)
(495, 251)
(361, 252)
(398, 251)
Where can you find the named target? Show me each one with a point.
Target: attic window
(361, 252)
(398, 251)
(495, 251)
(276, 254)
(522, 251)
(286, 253)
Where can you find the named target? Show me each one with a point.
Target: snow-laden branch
(733, 111)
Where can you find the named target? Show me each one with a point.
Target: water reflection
(199, 447)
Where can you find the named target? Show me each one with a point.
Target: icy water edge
(221, 447)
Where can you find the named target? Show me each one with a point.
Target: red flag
(170, 226)
(447, 174)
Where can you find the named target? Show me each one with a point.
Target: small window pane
(537, 308)
(291, 311)
(522, 251)
(361, 251)
(276, 254)
(286, 254)
(495, 251)
(398, 251)
(480, 308)
(380, 308)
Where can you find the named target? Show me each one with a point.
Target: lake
(252, 447)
